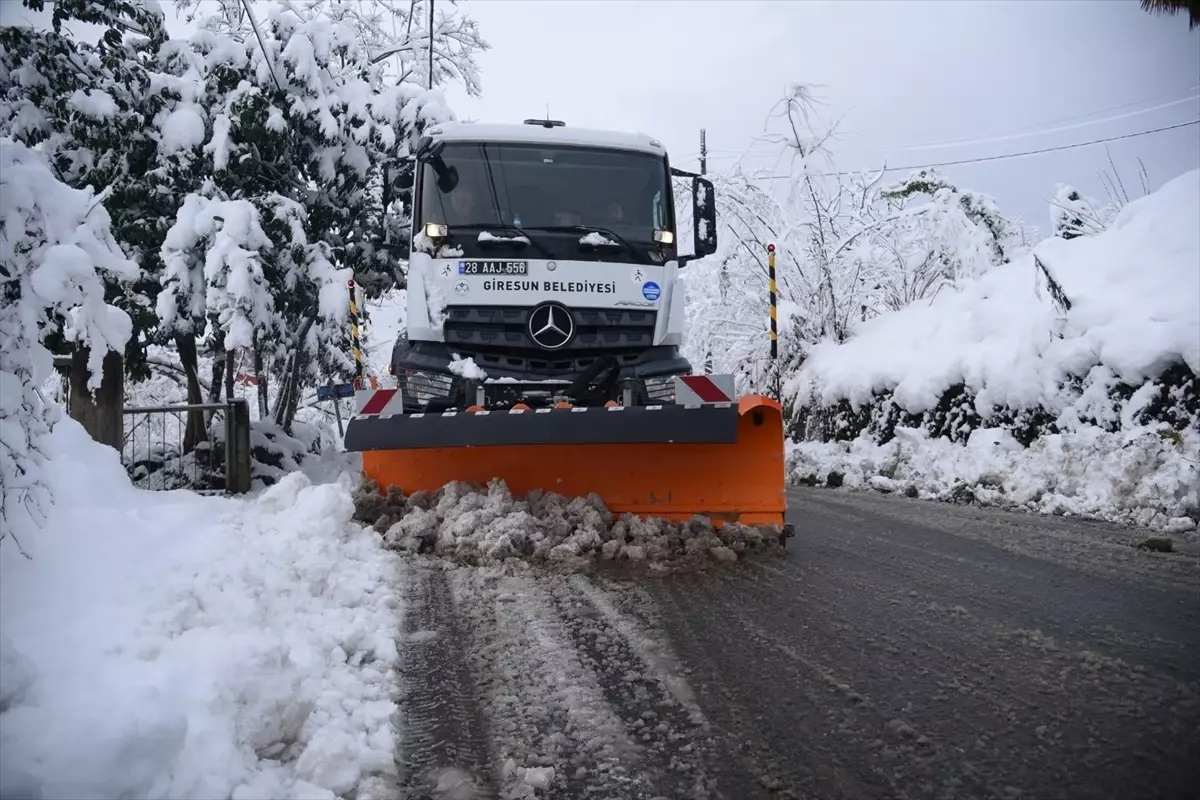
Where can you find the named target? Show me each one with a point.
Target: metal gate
(157, 454)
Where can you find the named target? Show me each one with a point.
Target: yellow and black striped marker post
(355, 346)
(774, 323)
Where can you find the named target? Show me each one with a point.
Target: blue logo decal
(650, 290)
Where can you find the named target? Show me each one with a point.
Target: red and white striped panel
(696, 390)
(378, 402)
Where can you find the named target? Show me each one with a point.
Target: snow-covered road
(165, 645)
(901, 649)
(547, 685)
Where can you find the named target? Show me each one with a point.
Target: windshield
(556, 195)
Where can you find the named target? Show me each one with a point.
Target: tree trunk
(294, 386)
(230, 365)
(217, 378)
(261, 375)
(185, 343)
(281, 395)
(99, 413)
(289, 396)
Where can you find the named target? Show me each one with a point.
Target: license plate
(493, 267)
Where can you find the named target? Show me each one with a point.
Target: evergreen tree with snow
(95, 109)
(57, 257)
(299, 122)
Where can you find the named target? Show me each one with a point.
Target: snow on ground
(164, 644)
(1134, 295)
(477, 525)
(1136, 478)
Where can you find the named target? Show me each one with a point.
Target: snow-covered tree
(820, 223)
(296, 122)
(393, 33)
(286, 116)
(963, 230)
(227, 288)
(99, 111)
(847, 250)
(56, 250)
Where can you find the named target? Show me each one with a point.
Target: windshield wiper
(616, 238)
(486, 226)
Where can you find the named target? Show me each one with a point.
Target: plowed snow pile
(163, 644)
(475, 525)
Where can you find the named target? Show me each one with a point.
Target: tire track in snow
(443, 741)
(673, 740)
(534, 694)
(541, 698)
(547, 686)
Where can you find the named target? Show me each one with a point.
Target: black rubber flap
(635, 425)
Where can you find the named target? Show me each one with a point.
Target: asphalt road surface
(901, 649)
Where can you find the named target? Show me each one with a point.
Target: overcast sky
(902, 73)
(1020, 74)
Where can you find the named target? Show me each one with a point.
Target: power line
(1039, 132)
(995, 158)
(1016, 133)
(1041, 127)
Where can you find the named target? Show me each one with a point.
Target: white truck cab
(548, 257)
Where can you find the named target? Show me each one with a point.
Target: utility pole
(430, 44)
(708, 360)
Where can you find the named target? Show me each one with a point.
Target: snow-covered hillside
(164, 644)
(1086, 350)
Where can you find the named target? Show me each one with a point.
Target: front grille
(503, 331)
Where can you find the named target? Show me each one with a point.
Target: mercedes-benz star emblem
(551, 326)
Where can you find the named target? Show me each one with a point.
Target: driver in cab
(462, 206)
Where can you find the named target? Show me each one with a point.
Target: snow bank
(1142, 478)
(473, 525)
(1134, 294)
(1086, 351)
(162, 644)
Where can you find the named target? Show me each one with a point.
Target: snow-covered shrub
(55, 243)
(1072, 215)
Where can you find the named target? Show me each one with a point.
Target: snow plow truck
(544, 320)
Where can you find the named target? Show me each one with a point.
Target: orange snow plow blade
(672, 462)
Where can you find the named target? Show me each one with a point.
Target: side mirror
(398, 179)
(427, 148)
(447, 177)
(404, 180)
(704, 217)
